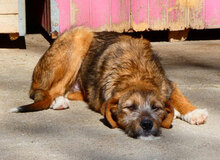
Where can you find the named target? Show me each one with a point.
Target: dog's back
(115, 61)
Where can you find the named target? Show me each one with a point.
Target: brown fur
(125, 70)
(180, 102)
(120, 77)
(56, 71)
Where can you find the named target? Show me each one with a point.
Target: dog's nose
(146, 124)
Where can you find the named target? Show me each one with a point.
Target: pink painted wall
(120, 11)
(64, 17)
(212, 14)
(139, 10)
(82, 12)
(100, 13)
(121, 15)
(173, 10)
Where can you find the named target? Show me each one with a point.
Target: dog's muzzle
(146, 124)
(148, 128)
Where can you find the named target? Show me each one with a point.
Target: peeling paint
(122, 15)
(55, 17)
(120, 27)
(189, 3)
(140, 26)
(139, 12)
(197, 16)
(212, 13)
(81, 9)
(176, 16)
(64, 14)
(158, 17)
(73, 12)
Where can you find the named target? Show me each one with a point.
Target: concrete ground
(79, 134)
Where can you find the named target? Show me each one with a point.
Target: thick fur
(57, 69)
(119, 77)
(116, 62)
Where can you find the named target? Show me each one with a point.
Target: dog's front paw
(60, 103)
(196, 117)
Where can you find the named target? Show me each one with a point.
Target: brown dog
(119, 77)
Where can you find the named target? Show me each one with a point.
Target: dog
(118, 76)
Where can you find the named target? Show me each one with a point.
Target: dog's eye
(155, 108)
(131, 107)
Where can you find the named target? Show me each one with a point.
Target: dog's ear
(167, 122)
(110, 108)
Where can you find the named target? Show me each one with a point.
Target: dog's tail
(36, 106)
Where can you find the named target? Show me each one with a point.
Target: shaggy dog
(118, 75)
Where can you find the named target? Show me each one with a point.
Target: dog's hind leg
(185, 110)
(57, 70)
(75, 96)
(62, 102)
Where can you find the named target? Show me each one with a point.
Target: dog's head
(138, 112)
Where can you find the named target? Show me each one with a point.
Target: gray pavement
(79, 134)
